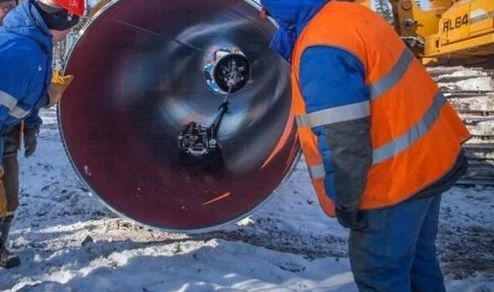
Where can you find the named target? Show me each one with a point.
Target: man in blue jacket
(333, 48)
(26, 40)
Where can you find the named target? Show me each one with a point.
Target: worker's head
(61, 15)
(5, 7)
(291, 16)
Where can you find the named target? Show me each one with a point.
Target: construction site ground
(68, 241)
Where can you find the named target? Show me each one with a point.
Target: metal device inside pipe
(140, 70)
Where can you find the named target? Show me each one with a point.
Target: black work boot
(7, 259)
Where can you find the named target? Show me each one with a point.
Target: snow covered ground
(68, 241)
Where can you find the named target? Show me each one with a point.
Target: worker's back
(416, 134)
(25, 61)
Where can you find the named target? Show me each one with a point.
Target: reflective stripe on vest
(317, 171)
(387, 82)
(413, 134)
(335, 115)
(401, 143)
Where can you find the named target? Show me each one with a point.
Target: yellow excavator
(448, 32)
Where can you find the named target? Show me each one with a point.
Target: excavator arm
(446, 32)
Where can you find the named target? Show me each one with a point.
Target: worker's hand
(351, 219)
(59, 84)
(3, 196)
(30, 141)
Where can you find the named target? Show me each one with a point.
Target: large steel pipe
(139, 77)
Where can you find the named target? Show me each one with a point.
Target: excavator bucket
(139, 68)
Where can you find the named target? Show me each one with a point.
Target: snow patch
(68, 241)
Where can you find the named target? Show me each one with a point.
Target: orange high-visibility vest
(416, 134)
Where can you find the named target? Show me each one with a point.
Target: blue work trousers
(396, 251)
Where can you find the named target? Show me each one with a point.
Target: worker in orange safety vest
(382, 143)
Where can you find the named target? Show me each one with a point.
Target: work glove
(351, 219)
(3, 196)
(30, 141)
(59, 84)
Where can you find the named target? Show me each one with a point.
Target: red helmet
(77, 7)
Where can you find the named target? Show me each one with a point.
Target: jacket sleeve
(33, 120)
(15, 72)
(332, 82)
